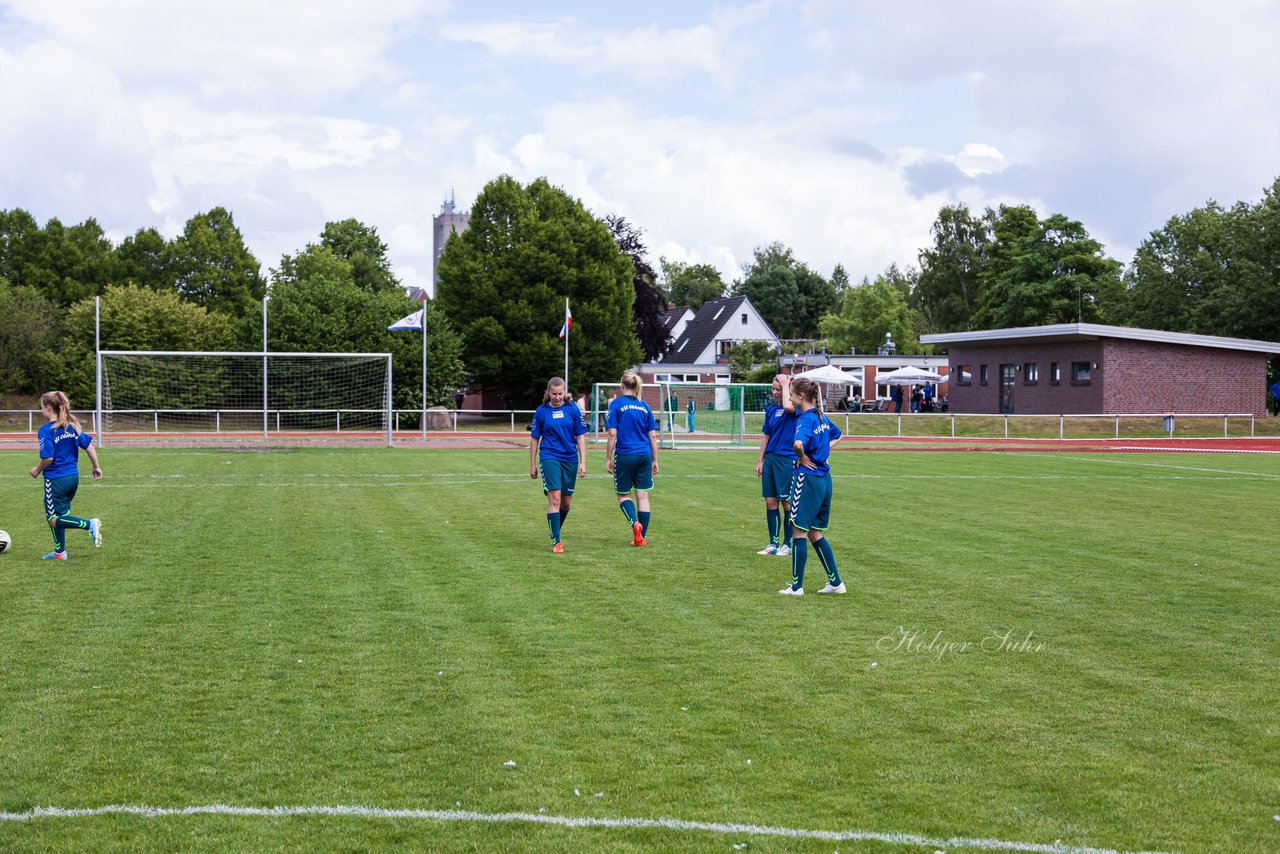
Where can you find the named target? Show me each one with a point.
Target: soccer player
(61, 441)
(558, 449)
(631, 455)
(774, 465)
(811, 489)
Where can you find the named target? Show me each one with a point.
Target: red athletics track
(481, 441)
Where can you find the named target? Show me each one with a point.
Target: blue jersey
(558, 428)
(780, 427)
(633, 419)
(62, 445)
(815, 432)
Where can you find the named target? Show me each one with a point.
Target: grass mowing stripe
(567, 821)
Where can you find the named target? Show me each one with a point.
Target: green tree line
(503, 283)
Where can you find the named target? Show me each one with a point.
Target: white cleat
(784, 551)
(768, 550)
(839, 588)
(95, 531)
(787, 591)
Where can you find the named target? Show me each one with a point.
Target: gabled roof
(702, 330)
(672, 316)
(1094, 331)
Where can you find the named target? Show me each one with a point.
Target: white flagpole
(424, 370)
(566, 343)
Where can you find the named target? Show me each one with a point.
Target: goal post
(236, 397)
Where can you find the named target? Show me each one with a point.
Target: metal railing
(870, 424)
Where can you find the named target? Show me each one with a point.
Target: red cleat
(638, 531)
(557, 549)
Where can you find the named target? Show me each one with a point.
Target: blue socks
(799, 556)
(828, 559)
(774, 520)
(643, 518)
(628, 508)
(553, 523)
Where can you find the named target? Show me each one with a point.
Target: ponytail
(61, 406)
(631, 382)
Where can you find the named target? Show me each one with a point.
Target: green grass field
(388, 629)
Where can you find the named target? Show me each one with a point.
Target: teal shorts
(810, 500)
(775, 477)
(558, 475)
(58, 493)
(632, 471)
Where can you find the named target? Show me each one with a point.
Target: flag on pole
(413, 322)
(568, 320)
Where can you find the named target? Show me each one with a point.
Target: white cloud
(649, 53)
(245, 51)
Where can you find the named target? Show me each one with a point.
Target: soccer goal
(710, 414)
(235, 398)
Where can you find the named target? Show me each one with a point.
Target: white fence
(871, 424)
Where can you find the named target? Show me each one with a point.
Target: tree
(1044, 272)
(650, 301)
(790, 297)
(64, 263)
(840, 281)
(505, 279)
(29, 328)
(144, 259)
(363, 249)
(868, 312)
(775, 295)
(691, 285)
(1212, 271)
(134, 318)
(949, 288)
(316, 306)
(213, 268)
(753, 362)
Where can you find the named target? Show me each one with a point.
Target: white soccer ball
(5, 541)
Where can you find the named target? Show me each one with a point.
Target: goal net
(694, 414)
(234, 398)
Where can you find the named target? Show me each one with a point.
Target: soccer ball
(5, 541)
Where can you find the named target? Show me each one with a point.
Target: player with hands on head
(774, 466)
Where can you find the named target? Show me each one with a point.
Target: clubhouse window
(1081, 372)
(964, 375)
(982, 375)
(1030, 373)
(1055, 373)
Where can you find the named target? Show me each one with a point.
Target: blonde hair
(631, 382)
(808, 390)
(61, 406)
(552, 383)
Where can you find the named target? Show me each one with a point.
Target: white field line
(1137, 463)
(728, 829)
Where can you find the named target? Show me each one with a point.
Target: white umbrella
(829, 374)
(908, 376)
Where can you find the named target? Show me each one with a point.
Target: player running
(811, 489)
(558, 449)
(61, 441)
(631, 455)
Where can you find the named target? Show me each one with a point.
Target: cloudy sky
(837, 127)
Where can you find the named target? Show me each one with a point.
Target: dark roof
(1094, 331)
(671, 317)
(702, 330)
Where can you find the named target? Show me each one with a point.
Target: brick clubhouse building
(1087, 368)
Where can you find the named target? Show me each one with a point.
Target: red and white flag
(568, 320)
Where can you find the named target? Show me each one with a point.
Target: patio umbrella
(830, 374)
(908, 376)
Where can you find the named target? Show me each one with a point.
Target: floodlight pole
(266, 417)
